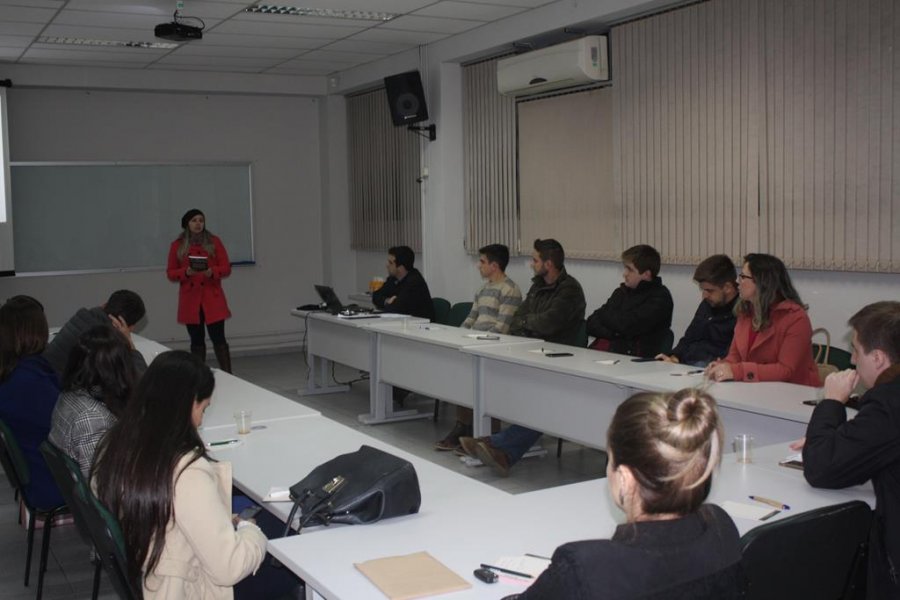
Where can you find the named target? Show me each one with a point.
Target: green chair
(582, 339)
(66, 474)
(19, 476)
(458, 313)
(101, 527)
(441, 310)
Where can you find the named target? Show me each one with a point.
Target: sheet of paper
(607, 362)
(532, 565)
(739, 510)
(412, 576)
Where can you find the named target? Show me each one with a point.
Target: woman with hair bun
(663, 449)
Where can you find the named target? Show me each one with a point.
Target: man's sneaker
(451, 442)
(468, 446)
(493, 457)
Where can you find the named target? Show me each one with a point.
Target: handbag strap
(826, 348)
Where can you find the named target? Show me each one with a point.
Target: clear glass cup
(244, 421)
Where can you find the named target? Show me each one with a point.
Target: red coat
(199, 290)
(781, 352)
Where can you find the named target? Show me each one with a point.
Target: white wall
(278, 135)
(832, 296)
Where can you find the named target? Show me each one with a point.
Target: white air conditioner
(578, 62)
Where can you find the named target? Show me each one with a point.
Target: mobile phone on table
(792, 464)
(639, 359)
(556, 354)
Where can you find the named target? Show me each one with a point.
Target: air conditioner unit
(578, 62)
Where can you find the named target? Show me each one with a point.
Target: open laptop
(334, 306)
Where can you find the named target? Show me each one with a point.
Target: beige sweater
(203, 555)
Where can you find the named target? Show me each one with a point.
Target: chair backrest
(828, 354)
(441, 310)
(581, 339)
(13, 460)
(458, 313)
(66, 474)
(816, 554)
(93, 519)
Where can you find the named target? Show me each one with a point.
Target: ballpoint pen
(775, 503)
(507, 571)
(223, 443)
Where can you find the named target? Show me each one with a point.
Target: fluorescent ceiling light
(334, 13)
(73, 41)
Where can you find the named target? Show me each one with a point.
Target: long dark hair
(101, 360)
(773, 285)
(23, 331)
(134, 467)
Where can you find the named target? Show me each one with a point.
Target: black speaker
(406, 98)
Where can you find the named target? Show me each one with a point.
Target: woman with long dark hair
(663, 449)
(198, 262)
(97, 381)
(773, 335)
(28, 390)
(172, 501)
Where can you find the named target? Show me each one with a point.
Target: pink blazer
(781, 352)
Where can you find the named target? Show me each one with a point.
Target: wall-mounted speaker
(406, 98)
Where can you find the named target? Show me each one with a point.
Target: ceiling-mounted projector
(178, 32)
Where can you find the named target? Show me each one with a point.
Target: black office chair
(101, 527)
(817, 554)
(63, 468)
(19, 476)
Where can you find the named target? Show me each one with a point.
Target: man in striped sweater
(492, 311)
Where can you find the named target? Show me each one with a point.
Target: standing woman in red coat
(198, 262)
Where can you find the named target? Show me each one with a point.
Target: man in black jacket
(637, 317)
(122, 312)
(709, 335)
(405, 290)
(839, 453)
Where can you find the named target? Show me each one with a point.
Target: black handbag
(356, 488)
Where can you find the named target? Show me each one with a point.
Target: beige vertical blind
(565, 173)
(385, 201)
(832, 134)
(489, 147)
(687, 146)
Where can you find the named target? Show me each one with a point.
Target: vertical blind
(385, 201)
(565, 173)
(735, 126)
(489, 139)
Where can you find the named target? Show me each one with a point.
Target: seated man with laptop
(405, 290)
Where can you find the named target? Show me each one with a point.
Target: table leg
(319, 385)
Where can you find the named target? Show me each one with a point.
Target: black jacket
(57, 351)
(708, 337)
(840, 453)
(413, 297)
(551, 312)
(697, 556)
(635, 321)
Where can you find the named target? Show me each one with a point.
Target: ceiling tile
(9, 54)
(101, 33)
(215, 38)
(218, 68)
(468, 10)
(522, 3)
(325, 32)
(34, 3)
(431, 24)
(298, 20)
(43, 53)
(26, 14)
(15, 41)
(391, 6)
(20, 28)
(210, 50)
(339, 57)
(157, 8)
(357, 45)
(180, 59)
(113, 19)
(396, 36)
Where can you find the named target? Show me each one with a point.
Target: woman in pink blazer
(773, 335)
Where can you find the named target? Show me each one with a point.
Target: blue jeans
(515, 441)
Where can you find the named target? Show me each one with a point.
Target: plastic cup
(244, 421)
(743, 448)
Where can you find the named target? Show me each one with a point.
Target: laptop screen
(329, 298)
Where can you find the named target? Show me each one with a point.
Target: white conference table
(426, 358)
(233, 394)
(469, 531)
(285, 451)
(575, 397)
